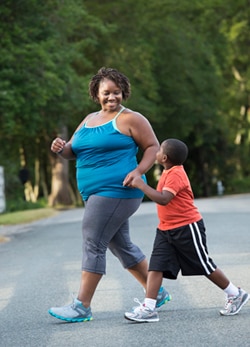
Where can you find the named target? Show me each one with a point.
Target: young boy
(180, 242)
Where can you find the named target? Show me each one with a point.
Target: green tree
(175, 69)
(44, 68)
(236, 27)
(187, 63)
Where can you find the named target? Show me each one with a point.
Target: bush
(21, 205)
(238, 186)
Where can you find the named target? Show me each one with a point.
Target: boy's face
(161, 156)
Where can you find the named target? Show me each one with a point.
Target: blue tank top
(104, 156)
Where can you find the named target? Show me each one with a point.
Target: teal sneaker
(162, 297)
(74, 312)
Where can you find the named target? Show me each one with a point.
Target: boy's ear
(164, 158)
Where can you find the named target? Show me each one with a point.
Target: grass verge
(27, 216)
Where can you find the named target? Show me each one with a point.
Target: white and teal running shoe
(234, 303)
(142, 314)
(74, 312)
(162, 298)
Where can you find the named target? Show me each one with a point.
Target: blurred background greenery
(188, 64)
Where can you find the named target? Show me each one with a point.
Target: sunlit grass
(27, 216)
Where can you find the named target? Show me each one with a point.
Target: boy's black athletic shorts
(184, 249)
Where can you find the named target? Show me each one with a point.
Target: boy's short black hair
(176, 150)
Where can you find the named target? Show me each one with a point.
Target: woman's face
(109, 95)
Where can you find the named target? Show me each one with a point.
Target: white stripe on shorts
(199, 245)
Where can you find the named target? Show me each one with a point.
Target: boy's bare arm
(161, 198)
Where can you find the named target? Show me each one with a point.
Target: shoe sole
(71, 320)
(138, 320)
(234, 313)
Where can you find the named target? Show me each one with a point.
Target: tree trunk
(61, 191)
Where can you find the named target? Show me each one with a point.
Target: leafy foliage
(187, 63)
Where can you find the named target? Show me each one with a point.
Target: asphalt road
(40, 268)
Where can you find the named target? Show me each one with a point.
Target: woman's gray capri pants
(106, 225)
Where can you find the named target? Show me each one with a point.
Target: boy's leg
(236, 298)
(153, 284)
(146, 312)
(155, 296)
(218, 278)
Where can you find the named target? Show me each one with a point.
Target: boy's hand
(137, 182)
(130, 177)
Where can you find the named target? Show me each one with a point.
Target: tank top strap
(113, 120)
(93, 115)
(118, 114)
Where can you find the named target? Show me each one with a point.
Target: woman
(105, 145)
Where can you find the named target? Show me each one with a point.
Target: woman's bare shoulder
(85, 119)
(137, 116)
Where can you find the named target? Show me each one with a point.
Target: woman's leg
(129, 254)
(88, 285)
(103, 218)
(140, 272)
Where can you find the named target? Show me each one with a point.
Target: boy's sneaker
(74, 312)
(234, 303)
(162, 297)
(142, 314)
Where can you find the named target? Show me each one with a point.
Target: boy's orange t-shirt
(180, 210)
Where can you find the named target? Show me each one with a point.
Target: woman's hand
(57, 145)
(130, 177)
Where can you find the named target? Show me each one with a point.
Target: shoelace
(137, 308)
(138, 301)
(73, 304)
(229, 301)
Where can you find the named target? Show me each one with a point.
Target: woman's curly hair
(111, 74)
